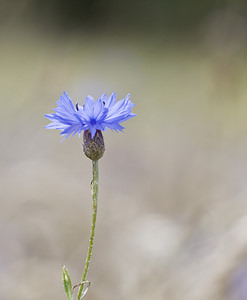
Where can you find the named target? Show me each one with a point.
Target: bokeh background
(172, 221)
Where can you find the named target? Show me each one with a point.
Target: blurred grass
(173, 186)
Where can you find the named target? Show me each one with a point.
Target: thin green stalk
(94, 190)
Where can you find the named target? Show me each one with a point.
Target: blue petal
(66, 117)
(111, 100)
(89, 107)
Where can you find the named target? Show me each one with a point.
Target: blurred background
(172, 220)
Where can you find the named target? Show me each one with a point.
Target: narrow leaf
(67, 284)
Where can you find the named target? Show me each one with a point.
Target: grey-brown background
(172, 206)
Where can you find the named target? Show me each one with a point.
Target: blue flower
(93, 115)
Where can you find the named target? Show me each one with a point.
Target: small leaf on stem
(67, 284)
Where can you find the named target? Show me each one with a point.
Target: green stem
(94, 190)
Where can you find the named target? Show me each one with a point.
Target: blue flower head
(92, 116)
